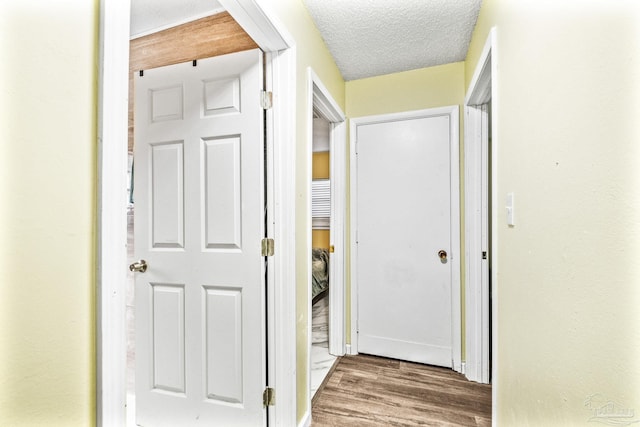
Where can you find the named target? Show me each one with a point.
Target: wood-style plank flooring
(373, 391)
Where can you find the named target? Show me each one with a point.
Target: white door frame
(454, 257)
(320, 99)
(482, 89)
(111, 228)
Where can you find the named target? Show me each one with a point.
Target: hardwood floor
(373, 391)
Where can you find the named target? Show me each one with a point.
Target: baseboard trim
(306, 420)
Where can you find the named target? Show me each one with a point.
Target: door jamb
(111, 346)
(320, 98)
(482, 89)
(454, 157)
(323, 102)
(271, 36)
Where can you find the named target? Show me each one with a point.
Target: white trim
(473, 241)
(323, 102)
(261, 26)
(283, 113)
(494, 224)
(320, 99)
(453, 112)
(456, 309)
(481, 91)
(329, 109)
(306, 420)
(352, 348)
(337, 292)
(111, 352)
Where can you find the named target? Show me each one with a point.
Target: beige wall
(411, 90)
(568, 144)
(48, 98)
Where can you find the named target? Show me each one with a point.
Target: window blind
(320, 203)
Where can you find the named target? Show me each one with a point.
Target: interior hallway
(367, 390)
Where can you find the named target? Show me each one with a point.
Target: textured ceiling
(366, 37)
(375, 37)
(148, 16)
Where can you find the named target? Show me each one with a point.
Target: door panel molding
(203, 343)
(454, 256)
(210, 36)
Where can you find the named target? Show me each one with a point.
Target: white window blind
(320, 203)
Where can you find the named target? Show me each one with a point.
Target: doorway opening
(112, 236)
(326, 233)
(321, 359)
(480, 218)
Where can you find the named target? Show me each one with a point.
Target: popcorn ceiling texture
(375, 37)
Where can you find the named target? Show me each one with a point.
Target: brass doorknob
(443, 255)
(140, 266)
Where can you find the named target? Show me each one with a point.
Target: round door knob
(140, 266)
(443, 255)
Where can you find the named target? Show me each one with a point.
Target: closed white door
(199, 221)
(403, 224)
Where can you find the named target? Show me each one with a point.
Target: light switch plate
(510, 209)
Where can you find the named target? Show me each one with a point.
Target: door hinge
(268, 397)
(268, 247)
(266, 99)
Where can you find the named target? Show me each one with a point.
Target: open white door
(199, 222)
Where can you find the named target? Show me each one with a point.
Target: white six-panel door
(199, 221)
(403, 222)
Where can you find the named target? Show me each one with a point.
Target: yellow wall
(568, 146)
(320, 239)
(48, 80)
(311, 51)
(411, 90)
(321, 165)
(321, 170)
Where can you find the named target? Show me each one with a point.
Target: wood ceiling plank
(204, 38)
